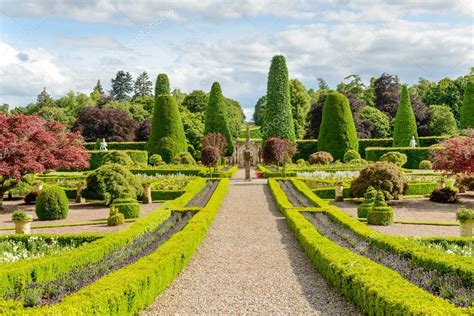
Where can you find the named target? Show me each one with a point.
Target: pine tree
(143, 86)
(98, 92)
(337, 133)
(162, 85)
(216, 120)
(122, 86)
(44, 99)
(98, 88)
(278, 118)
(404, 127)
(467, 109)
(167, 137)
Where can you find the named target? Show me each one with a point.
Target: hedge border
(375, 289)
(414, 155)
(138, 157)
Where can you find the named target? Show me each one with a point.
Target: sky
(68, 45)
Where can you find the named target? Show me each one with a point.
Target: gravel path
(250, 263)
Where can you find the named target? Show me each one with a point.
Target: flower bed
(374, 288)
(131, 288)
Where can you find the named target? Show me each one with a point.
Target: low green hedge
(119, 146)
(374, 288)
(414, 155)
(275, 174)
(16, 276)
(129, 207)
(190, 171)
(134, 287)
(139, 157)
(330, 193)
(229, 173)
(420, 188)
(161, 195)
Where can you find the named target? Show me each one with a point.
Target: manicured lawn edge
(374, 288)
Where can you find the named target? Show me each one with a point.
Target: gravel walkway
(250, 263)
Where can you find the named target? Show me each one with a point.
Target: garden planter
(467, 228)
(22, 227)
(259, 174)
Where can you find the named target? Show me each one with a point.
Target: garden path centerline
(250, 263)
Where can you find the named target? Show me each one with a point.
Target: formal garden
(105, 199)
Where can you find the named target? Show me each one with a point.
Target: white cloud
(23, 74)
(104, 42)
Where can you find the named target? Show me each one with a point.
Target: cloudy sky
(68, 44)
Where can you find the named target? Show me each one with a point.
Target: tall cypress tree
(467, 109)
(337, 133)
(404, 127)
(162, 85)
(278, 119)
(167, 137)
(216, 120)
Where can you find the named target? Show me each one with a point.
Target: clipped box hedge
(375, 289)
(161, 195)
(414, 155)
(420, 188)
(139, 157)
(187, 171)
(134, 287)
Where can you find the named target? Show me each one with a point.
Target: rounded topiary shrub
(109, 182)
(320, 158)
(425, 165)
(118, 157)
(383, 176)
(115, 218)
(127, 206)
(156, 160)
(395, 157)
(184, 158)
(301, 162)
(350, 155)
(359, 162)
(381, 213)
(52, 204)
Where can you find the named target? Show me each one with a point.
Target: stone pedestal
(147, 194)
(339, 192)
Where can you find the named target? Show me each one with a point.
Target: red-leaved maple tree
(31, 144)
(456, 155)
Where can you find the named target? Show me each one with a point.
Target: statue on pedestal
(103, 144)
(413, 142)
(247, 155)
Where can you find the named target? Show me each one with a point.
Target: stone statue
(247, 155)
(413, 142)
(103, 144)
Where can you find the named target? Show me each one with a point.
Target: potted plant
(22, 222)
(466, 217)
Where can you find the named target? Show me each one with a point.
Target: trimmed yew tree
(467, 109)
(167, 136)
(162, 85)
(278, 119)
(216, 120)
(337, 133)
(404, 127)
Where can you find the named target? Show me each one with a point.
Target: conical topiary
(162, 85)
(467, 108)
(337, 133)
(380, 214)
(167, 137)
(368, 202)
(404, 127)
(216, 120)
(278, 119)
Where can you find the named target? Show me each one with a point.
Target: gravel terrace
(250, 263)
(78, 213)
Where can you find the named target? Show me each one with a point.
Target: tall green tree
(467, 109)
(196, 101)
(300, 104)
(143, 86)
(278, 117)
(236, 116)
(442, 121)
(337, 133)
(122, 86)
(44, 99)
(167, 137)
(162, 85)
(98, 88)
(216, 120)
(404, 127)
(259, 110)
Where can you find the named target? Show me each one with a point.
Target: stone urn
(339, 191)
(22, 222)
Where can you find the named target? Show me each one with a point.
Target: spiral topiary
(368, 203)
(52, 204)
(381, 213)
